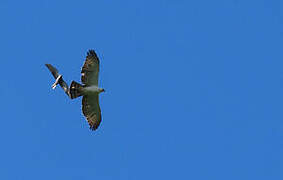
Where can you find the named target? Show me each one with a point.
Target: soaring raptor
(88, 89)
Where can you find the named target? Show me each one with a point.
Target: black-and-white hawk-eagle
(89, 88)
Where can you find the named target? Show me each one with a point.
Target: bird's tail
(75, 90)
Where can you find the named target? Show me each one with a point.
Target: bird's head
(101, 90)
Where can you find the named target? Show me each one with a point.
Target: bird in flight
(89, 88)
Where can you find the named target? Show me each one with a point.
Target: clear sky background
(194, 90)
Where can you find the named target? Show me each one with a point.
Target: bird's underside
(89, 77)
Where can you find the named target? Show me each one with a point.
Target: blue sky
(194, 90)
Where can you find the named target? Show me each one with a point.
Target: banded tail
(75, 90)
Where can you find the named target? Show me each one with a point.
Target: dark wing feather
(90, 69)
(91, 110)
(55, 74)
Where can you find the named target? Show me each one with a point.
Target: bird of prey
(89, 88)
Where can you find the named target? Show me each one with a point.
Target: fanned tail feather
(75, 90)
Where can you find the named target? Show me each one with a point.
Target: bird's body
(92, 89)
(89, 88)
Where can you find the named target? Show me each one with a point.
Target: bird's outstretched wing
(90, 69)
(91, 110)
(61, 82)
